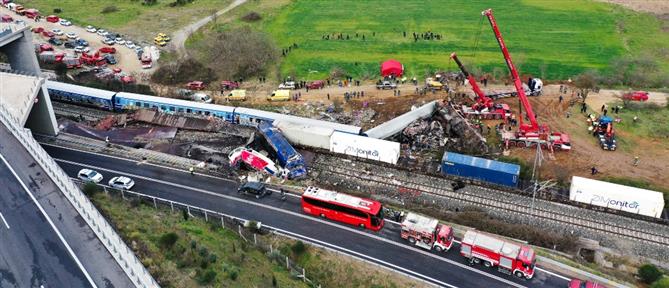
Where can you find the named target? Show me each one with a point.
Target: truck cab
(426, 233)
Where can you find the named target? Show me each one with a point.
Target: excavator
(484, 108)
(531, 134)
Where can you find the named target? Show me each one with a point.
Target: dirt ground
(126, 57)
(654, 160)
(658, 7)
(605, 96)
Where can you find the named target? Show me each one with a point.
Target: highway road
(384, 247)
(32, 253)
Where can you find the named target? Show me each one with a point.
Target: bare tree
(585, 82)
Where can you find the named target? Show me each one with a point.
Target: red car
(636, 96)
(107, 49)
(316, 84)
(38, 29)
(576, 283)
(45, 47)
(196, 85)
(6, 19)
(48, 34)
(229, 85)
(52, 18)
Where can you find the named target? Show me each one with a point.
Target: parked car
(6, 18)
(129, 44)
(52, 18)
(121, 182)
(102, 32)
(65, 22)
(577, 283)
(196, 85)
(38, 30)
(108, 41)
(82, 42)
(55, 41)
(229, 85)
(636, 96)
(81, 49)
(139, 50)
(110, 59)
(57, 31)
(110, 50)
(316, 84)
(89, 175)
(164, 37)
(48, 34)
(287, 85)
(72, 35)
(91, 29)
(254, 188)
(386, 85)
(44, 47)
(70, 44)
(119, 41)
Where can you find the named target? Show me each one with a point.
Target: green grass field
(132, 17)
(553, 39)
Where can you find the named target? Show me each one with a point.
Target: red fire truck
(365, 213)
(426, 232)
(511, 257)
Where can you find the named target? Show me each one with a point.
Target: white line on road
(3, 220)
(554, 274)
(60, 236)
(350, 229)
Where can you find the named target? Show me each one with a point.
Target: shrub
(649, 273)
(184, 214)
(273, 281)
(109, 9)
(298, 248)
(57, 10)
(662, 283)
(207, 277)
(233, 274)
(251, 17)
(91, 189)
(167, 240)
(183, 71)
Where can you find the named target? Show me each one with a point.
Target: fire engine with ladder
(426, 232)
(484, 108)
(532, 134)
(510, 257)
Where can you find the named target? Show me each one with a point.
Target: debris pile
(462, 137)
(424, 134)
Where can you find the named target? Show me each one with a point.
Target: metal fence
(244, 227)
(130, 264)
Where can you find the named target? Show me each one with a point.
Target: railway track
(69, 110)
(609, 228)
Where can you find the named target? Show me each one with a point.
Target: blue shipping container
(480, 169)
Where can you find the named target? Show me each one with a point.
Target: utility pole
(538, 158)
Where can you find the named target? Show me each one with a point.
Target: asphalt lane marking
(404, 270)
(350, 229)
(3, 220)
(554, 274)
(60, 236)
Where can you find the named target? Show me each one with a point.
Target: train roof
(362, 204)
(175, 102)
(277, 140)
(300, 120)
(78, 89)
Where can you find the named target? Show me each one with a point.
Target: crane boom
(516, 78)
(481, 97)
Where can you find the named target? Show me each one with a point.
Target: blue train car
(487, 170)
(288, 157)
(132, 101)
(97, 98)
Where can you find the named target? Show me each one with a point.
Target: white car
(81, 49)
(91, 29)
(72, 35)
(64, 22)
(57, 32)
(121, 182)
(108, 41)
(129, 44)
(287, 85)
(119, 41)
(102, 32)
(89, 175)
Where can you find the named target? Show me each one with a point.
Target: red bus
(341, 207)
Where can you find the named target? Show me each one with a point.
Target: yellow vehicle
(237, 95)
(433, 84)
(279, 95)
(159, 41)
(164, 37)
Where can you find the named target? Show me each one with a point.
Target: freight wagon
(616, 196)
(481, 169)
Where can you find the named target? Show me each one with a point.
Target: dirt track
(658, 7)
